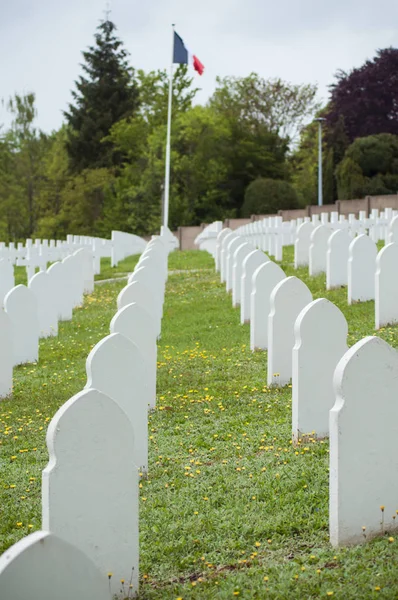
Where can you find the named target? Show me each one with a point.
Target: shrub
(267, 196)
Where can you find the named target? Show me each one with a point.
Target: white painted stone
(61, 290)
(337, 259)
(287, 300)
(361, 269)
(143, 296)
(393, 230)
(136, 324)
(6, 355)
(21, 306)
(116, 367)
(148, 277)
(42, 566)
(320, 341)
(386, 291)
(363, 434)
(318, 249)
(265, 278)
(220, 238)
(7, 281)
(252, 261)
(90, 484)
(223, 255)
(86, 257)
(302, 245)
(232, 247)
(72, 279)
(47, 312)
(239, 256)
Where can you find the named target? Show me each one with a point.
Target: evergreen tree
(105, 95)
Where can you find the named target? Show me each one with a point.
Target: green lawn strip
(257, 508)
(124, 267)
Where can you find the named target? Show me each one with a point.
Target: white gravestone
(7, 281)
(318, 249)
(265, 278)
(21, 306)
(86, 256)
(223, 254)
(147, 276)
(239, 256)
(136, 324)
(90, 484)
(320, 342)
(363, 433)
(393, 230)
(43, 566)
(250, 264)
(361, 269)
(220, 238)
(386, 291)
(72, 280)
(287, 300)
(47, 311)
(61, 290)
(6, 355)
(232, 247)
(116, 367)
(337, 259)
(302, 245)
(139, 293)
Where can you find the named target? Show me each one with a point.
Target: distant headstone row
(97, 441)
(334, 389)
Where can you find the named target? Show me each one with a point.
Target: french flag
(180, 55)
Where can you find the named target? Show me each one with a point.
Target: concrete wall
(187, 235)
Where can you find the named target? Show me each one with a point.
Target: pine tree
(105, 95)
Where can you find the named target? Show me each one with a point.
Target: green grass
(228, 500)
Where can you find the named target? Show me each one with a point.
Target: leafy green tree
(107, 93)
(280, 106)
(369, 167)
(267, 196)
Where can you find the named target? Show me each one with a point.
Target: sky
(300, 41)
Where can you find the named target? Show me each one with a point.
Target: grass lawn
(230, 507)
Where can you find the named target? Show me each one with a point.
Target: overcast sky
(302, 41)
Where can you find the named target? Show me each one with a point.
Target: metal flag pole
(167, 167)
(320, 181)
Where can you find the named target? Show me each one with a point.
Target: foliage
(280, 106)
(267, 196)
(366, 97)
(369, 167)
(106, 94)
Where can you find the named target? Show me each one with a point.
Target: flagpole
(167, 167)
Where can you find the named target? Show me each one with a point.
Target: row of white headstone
(345, 394)
(28, 313)
(352, 260)
(37, 254)
(97, 441)
(272, 234)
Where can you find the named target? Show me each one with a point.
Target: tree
(280, 106)
(369, 167)
(366, 97)
(105, 95)
(267, 196)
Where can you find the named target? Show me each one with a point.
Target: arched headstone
(49, 568)
(139, 293)
(362, 254)
(302, 245)
(337, 259)
(116, 367)
(239, 256)
(287, 300)
(61, 290)
(135, 323)
(47, 310)
(318, 249)
(232, 247)
(220, 238)
(386, 291)
(265, 278)
(21, 306)
(363, 489)
(7, 281)
(90, 485)
(250, 264)
(320, 342)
